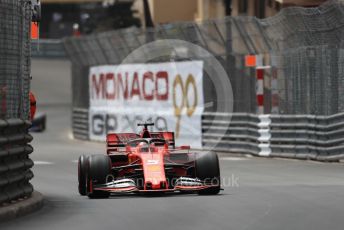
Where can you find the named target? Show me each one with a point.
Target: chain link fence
(303, 45)
(15, 164)
(15, 18)
(312, 80)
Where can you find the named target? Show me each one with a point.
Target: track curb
(21, 208)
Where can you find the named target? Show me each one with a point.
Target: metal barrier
(47, 48)
(308, 137)
(290, 136)
(80, 123)
(15, 164)
(237, 133)
(15, 68)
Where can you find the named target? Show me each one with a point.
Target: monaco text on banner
(169, 94)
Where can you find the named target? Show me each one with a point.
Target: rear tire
(99, 166)
(82, 173)
(208, 170)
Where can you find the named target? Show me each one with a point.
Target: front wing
(136, 190)
(128, 186)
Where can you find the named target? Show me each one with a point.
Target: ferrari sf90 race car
(146, 163)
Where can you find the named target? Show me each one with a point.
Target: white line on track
(43, 163)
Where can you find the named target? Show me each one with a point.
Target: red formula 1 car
(146, 163)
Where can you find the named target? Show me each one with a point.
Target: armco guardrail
(231, 132)
(48, 48)
(307, 137)
(80, 123)
(15, 164)
(291, 136)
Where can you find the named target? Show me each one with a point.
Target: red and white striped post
(257, 62)
(260, 89)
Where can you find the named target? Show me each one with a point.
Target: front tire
(99, 167)
(208, 170)
(82, 173)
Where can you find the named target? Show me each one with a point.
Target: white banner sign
(168, 94)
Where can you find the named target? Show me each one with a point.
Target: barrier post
(260, 77)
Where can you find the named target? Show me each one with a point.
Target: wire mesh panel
(306, 42)
(15, 18)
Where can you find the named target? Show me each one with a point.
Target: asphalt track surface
(263, 193)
